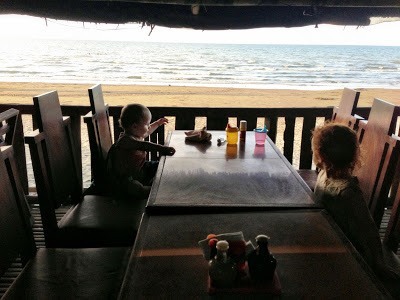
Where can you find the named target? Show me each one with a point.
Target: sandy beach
(188, 96)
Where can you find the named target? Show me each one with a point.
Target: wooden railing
(280, 121)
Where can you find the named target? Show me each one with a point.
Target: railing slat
(288, 138)
(305, 152)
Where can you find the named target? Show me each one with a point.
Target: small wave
(134, 77)
(10, 71)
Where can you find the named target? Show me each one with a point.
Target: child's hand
(169, 151)
(162, 121)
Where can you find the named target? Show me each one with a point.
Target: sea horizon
(259, 66)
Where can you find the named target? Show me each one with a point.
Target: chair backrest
(99, 133)
(12, 133)
(374, 135)
(347, 106)
(16, 237)
(58, 165)
(100, 114)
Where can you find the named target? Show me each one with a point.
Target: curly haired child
(336, 152)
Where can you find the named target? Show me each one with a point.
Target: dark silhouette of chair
(344, 114)
(92, 221)
(392, 232)
(390, 170)
(11, 133)
(100, 139)
(376, 176)
(91, 273)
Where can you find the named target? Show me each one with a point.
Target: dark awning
(209, 14)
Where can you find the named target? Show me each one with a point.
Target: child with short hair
(336, 152)
(130, 173)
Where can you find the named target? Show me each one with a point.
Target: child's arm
(130, 143)
(156, 124)
(149, 146)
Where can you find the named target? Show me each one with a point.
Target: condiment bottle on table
(222, 269)
(232, 134)
(261, 262)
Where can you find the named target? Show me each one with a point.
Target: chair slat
(11, 127)
(373, 136)
(347, 106)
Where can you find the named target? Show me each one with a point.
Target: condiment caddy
(237, 266)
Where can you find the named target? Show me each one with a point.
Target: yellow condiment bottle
(232, 135)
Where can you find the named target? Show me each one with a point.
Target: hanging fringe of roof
(209, 14)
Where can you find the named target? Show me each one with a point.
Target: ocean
(217, 65)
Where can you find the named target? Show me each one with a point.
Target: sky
(385, 34)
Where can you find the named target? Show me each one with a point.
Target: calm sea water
(258, 66)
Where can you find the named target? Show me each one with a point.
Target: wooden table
(208, 177)
(314, 259)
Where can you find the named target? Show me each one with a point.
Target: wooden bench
(92, 221)
(94, 273)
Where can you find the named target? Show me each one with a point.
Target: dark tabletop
(314, 259)
(206, 175)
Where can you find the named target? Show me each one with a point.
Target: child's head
(335, 149)
(135, 119)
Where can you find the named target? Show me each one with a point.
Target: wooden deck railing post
(288, 138)
(306, 155)
(216, 120)
(271, 121)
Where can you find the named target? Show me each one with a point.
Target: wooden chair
(94, 273)
(347, 106)
(11, 133)
(376, 174)
(92, 221)
(100, 139)
(344, 114)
